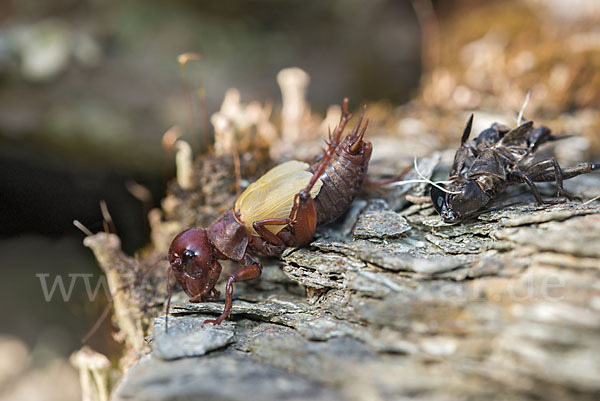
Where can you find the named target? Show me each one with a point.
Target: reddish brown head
(191, 253)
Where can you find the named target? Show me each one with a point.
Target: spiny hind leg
(560, 190)
(303, 215)
(332, 144)
(549, 167)
(547, 174)
(549, 170)
(518, 176)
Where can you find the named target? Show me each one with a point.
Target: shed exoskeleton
(496, 158)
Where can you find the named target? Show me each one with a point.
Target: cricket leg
(252, 269)
(260, 227)
(304, 212)
(582, 168)
(560, 190)
(213, 295)
(208, 292)
(519, 176)
(542, 169)
(299, 228)
(547, 174)
(267, 242)
(332, 144)
(547, 167)
(541, 172)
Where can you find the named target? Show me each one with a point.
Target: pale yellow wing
(272, 195)
(277, 172)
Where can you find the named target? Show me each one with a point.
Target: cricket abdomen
(342, 180)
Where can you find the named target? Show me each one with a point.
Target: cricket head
(191, 254)
(465, 200)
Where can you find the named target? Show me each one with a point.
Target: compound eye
(187, 257)
(438, 197)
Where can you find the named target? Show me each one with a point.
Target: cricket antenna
(422, 180)
(106, 310)
(525, 102)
